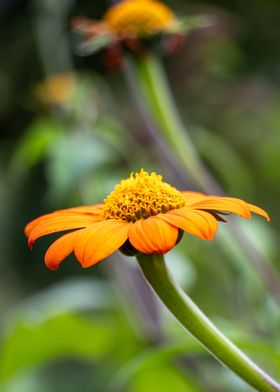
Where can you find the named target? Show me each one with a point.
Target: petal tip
(51, 267)
(84, 266)
(89, 264)
(212, 236)
(30, 243)
(259, 211)
(50, 264)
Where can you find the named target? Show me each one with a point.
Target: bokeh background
(101, 329)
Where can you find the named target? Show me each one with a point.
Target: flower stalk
(195, 321)
(154, 87)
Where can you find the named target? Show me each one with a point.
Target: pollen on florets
(140, 196)
(139, 17)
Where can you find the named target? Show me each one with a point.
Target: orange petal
(192, 197)
(228, 204)
(100, 240)
(153, 235)
(199, 223)
(259, 211)
(30, 226)
(94, 211)
(55, 223)
(60, 249)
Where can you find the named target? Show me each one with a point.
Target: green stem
(154, 87)
(192, 318)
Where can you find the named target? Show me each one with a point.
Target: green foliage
(64, 335)
(162, 378)
(34, 144)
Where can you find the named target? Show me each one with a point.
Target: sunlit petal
(93, 211)
(153, 235)
(227, 204)
(192, 197)
(100, 240)
(60, 249)
(55, 223)
(259, 211)
(198, 223)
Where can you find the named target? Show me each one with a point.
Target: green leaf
(34, 144)
(153, 358)
(73, 157)
(164, 378)
(64, 335)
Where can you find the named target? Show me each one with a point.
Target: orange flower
(143, 214)
(131, 24)
(56, 89)
(139, 17)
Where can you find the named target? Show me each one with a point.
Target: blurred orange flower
(139, 17)
(143, 214)
(134, 25)
(56, 88)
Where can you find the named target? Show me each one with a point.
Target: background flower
(134, 26)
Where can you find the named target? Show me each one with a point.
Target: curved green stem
(154, 87)
(192, 318)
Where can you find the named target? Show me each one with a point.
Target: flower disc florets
(139, 17)
(141, 196)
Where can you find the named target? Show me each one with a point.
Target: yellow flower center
(139, 17)
(141, 196)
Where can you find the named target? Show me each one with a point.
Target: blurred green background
(101, 329)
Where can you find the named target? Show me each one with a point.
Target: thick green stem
(192, 318)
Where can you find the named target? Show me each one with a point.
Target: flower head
(56, 89)
(143, 214)
(133, 24)
(139, 17)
